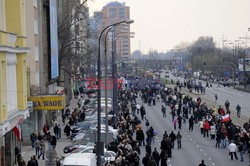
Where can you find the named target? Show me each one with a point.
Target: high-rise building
(115, 12)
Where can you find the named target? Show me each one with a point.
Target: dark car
(88, 92)
(69, 149)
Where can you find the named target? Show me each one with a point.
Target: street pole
(99, 144)
(244, 68)
(106, 90)
(114, 80)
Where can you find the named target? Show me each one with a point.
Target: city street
(194, 146)
(234, 96)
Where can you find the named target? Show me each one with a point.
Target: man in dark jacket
(156, 156)
(53, 141)
(202, 163)
(172, 138)
(145, 160)
(191, 123)
(140, 137)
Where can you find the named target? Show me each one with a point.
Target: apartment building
(115, 12)
(13, 78)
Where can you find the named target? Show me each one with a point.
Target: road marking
(188, 135)
(209, 158)
(201, 150)
(168, 160)
(197, 146)
(205, 154)
(213, 164)
(191, 139)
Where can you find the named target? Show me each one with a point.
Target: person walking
(156, 156)
(232, 150)
(67, 130)
(238, 109)
(148, 149)
(241, 150)
(216, 98)
(56, 131)
(178, 138)
(21, 161)
(33, 138)
(191, 123)
(163, 110)
(42, 150)
(227, 105)
(143, 112)
(163, 158)
(172, 138)
(179, 119)
(206, 127)
(151, 161)
(140, 137)
(37, 147)
(202, 163)
(53, 141)
(145, 160)
(212, 131)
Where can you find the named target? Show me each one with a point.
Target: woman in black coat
(67, 130)
(164, 158)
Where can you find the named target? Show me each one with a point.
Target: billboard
(241, 64)
(53, 39)
(48, 102)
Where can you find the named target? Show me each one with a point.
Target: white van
(80, 159)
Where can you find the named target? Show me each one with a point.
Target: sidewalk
(27, 151)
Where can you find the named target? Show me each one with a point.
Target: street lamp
(106, 93)
(99, 143)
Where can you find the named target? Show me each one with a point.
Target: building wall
(31, 16)
(116, 12)
(13, 84)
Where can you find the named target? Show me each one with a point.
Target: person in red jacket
(206, 127)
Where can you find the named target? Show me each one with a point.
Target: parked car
(80, 159)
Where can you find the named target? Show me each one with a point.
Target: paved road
(235, 97)
(194, 146)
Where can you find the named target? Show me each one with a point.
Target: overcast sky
(162, 24)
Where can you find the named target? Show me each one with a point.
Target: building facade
(115, 12)
(13, 77)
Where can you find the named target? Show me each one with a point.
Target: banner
(48, 102)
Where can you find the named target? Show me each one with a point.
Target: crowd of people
(213, 122)
(133, 135)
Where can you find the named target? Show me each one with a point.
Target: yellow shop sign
(47, 102)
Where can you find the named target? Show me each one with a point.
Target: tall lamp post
(106, 89)
(114, 72)
(99, 144)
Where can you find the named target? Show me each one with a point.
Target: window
(125, 41)
(125, 53)
(112, 13)
(36, 27)
(37, 78)
(36, 54)
(122, 13)
(124, 49)
(35, 3)
(125, 45)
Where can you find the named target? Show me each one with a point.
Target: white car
(108, 155)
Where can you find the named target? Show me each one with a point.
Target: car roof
(78, 159)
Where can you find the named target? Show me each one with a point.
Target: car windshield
(78, 150)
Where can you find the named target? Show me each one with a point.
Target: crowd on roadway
(132, 134)
(213, 122)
